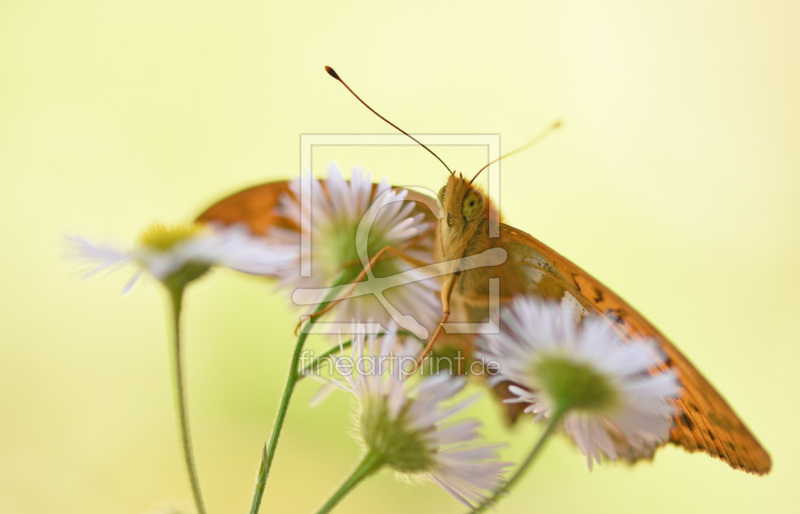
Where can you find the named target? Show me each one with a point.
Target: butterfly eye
(473, 204)
(441, 194)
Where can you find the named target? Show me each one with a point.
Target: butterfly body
(459, 235)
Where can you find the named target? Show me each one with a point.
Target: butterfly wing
(255, 206)
(705, 422)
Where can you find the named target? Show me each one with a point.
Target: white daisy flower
(350, 222)
(406, 425)
(178, 254)
(604, 385)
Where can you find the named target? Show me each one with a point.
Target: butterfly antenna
(546, 132)
(335, 75)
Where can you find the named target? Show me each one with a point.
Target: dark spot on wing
(687, 421)
(617, 315)
(577, 285)
(599, 295)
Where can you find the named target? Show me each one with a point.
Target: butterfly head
(463, 203)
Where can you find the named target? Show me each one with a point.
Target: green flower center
(574, 385)
(401, 449)
(338, 245)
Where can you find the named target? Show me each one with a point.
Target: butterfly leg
(382, 253)
(447, 291)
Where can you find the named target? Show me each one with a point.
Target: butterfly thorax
(464, 230)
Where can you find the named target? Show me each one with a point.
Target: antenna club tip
(332, 72)
(558, 124)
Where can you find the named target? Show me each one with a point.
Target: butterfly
(469, 225)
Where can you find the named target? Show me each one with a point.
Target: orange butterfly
(705, 422)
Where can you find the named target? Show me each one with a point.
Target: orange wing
(705, 421)
(254, 206)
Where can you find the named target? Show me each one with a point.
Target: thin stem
(176, 295)
(261, 482)
(291, 381)
(371, 463)
(554, 422)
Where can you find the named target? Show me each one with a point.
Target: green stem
(554, 422)
(371, 463)
(291, 381)
(176, 295)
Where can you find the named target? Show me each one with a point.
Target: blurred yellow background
(676, 181)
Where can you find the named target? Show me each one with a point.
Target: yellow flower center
(163, 237)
